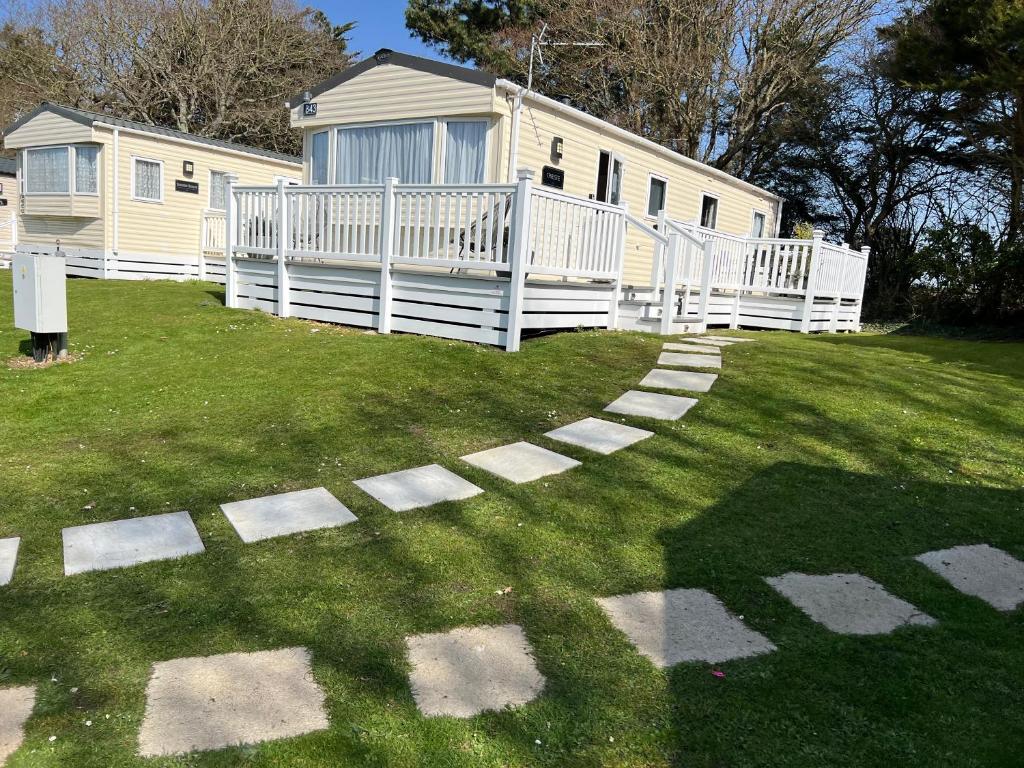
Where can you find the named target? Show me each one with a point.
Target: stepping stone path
(701, 349)
(688, 380)
(980, 571)
(521, 462)
(600, 436)
(680, 625)
(652, 405)
(419, 487)
(848, 603)
(121, 543)
(471, 670)
(15, 707)
(236, 698)
(8, 559)
(689, 361)
(707, 340)
(730, 339)
(286, 513)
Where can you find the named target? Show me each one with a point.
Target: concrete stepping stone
(713, 342)
(701, 349)
(471, 670)
(15, 708)
(220, 701)
(680, 625)
(688, 380)
(652, 405)
(689, 361)
(598, 435)
(980, 571)
(419, 487)
(730, 339)
(521, 462)
(286, 513)
(8, 559)
(121, 543)
(848, 603)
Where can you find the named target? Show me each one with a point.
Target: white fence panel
(335, 222)
(573, 237)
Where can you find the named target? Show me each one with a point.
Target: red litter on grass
(717, 673)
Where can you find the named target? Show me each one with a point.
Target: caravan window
(708, 212)
(147, 180)
(370, 154)
(86, 182)
(657, 191)
(319, 158)
(609, 178)
(757, 230)
(47, 171)
(465, 151)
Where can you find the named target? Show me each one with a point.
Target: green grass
(818, 454)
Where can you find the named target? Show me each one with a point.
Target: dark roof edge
(84, 117)
(387, 56)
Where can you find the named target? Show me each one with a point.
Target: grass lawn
(815, 454)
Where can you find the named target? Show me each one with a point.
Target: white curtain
(464, 150)
(147, 180)
(370, 155)
(47, 171)
(218, 190)
(85, 169)
(318, 164)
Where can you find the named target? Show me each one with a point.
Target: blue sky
(379, 24)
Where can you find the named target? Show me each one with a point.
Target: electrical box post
(40, 302)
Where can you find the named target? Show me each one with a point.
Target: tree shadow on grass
(943, 695)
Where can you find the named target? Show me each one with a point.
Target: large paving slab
(419, 487)
(714, 342)
(15, 707)
(848, 603)
(471, 670)
(730, 339)
(701, 349)
(286, 513)
(689, 361)
(651, 405)
(235, 698)
(521, 462)
(121, 543)
(8, 559)
(692, 381)
(599, 435)
(680, 625)
(981, 571)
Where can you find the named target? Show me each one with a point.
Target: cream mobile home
(125, 199)
(8, 209)
(442, 200)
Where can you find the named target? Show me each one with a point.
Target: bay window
(47, 171)
(86, 181)
(370, 154)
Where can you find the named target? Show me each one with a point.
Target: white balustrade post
(866, 250)
(284, 287)
(812, 280)
(668, 297)
(705, 281)
(230, 237)
(520, 248)
(837, 304)
(388, 215)
(659, 252)
(620, 265)
(204, 229)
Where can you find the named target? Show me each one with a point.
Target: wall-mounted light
(556, 148)
(187, 168)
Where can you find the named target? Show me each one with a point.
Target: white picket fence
(8, 235)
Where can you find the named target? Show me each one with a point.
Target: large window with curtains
(465, 151)
(370, 154)
(50, 170)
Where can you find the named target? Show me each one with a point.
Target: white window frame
(134, 197)
(613, 158)
(442, 145)
(754, 213)
(332, 143)
(700, 209)
(330, 153)
(74, 175)
(71, 171)
(209, 194)
(647, 203)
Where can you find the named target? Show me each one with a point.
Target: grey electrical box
(40, 293)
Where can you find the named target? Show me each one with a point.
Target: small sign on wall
(309, 109)
(552, 177)
(192, 187)
(3, 202)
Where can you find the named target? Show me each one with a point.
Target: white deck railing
(8, 233)
(573, 237)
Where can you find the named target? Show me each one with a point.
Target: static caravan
(442, 200)
(128, 200)
(8, 209)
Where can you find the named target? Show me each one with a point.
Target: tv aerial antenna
(539, 42)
